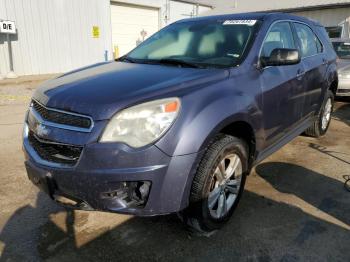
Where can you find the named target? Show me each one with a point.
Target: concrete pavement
(294, 208)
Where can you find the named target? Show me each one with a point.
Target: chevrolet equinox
(176, 125)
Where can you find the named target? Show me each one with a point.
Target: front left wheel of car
(218, 184)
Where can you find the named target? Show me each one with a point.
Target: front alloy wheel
(225, 186)
(218, 184)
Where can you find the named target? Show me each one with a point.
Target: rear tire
(321, 124)
(217, 185)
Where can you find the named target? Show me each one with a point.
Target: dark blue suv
(177, 124)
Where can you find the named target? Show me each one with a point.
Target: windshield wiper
(169, 61)
(172, 61)
(125, 59)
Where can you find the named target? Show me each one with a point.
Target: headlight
(142, 124)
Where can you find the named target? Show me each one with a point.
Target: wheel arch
(333, 87)
(332, 79)
(244, 131)
(238, 127)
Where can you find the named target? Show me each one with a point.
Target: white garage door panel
(127, 23)
(179, 10)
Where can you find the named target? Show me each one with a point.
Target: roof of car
(255, 16)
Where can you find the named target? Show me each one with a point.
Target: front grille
(61, 117)
(54, 152)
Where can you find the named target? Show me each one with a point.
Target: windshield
(342, 49)
(216, 43)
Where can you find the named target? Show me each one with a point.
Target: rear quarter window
(324, 37)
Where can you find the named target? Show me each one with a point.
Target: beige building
(333, 14)
(56, 36)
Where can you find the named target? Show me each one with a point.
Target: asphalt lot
(295, 208)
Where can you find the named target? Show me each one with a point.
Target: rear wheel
(218, 184)
(321, 124)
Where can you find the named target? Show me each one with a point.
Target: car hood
(103, 89)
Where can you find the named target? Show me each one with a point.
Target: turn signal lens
(171, 107)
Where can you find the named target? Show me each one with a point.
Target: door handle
(300, 74)
(324, 61)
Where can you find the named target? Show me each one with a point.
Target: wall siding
(55, 36)
(179, 10)
(241, 6)
(327, 17)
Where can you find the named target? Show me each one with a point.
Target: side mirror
(281, 56)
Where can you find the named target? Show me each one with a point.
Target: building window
(334, 31)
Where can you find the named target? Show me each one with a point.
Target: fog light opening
(129, 194)
(141, 191)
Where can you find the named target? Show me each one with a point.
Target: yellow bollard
(116, 52)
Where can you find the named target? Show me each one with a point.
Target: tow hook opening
(129, 194)
(72, 203)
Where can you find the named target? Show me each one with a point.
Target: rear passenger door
(315, 66)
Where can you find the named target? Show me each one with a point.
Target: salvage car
(342, 48)
(177, 124)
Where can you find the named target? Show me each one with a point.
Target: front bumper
(103, 168)
(343, 87)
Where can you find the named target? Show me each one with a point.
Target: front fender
(204, 113)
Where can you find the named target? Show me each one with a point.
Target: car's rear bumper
(107, 173)
(343, 87)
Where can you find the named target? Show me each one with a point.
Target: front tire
(320, 126)
(218, 184)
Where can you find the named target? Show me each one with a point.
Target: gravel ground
(295, 208)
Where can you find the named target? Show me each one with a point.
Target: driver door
(282, 86)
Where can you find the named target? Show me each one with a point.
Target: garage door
(131, 25)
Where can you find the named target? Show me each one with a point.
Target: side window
(309, 43)
(279, 36)
(319, 45)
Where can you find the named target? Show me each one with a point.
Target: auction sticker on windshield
(240, 22)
